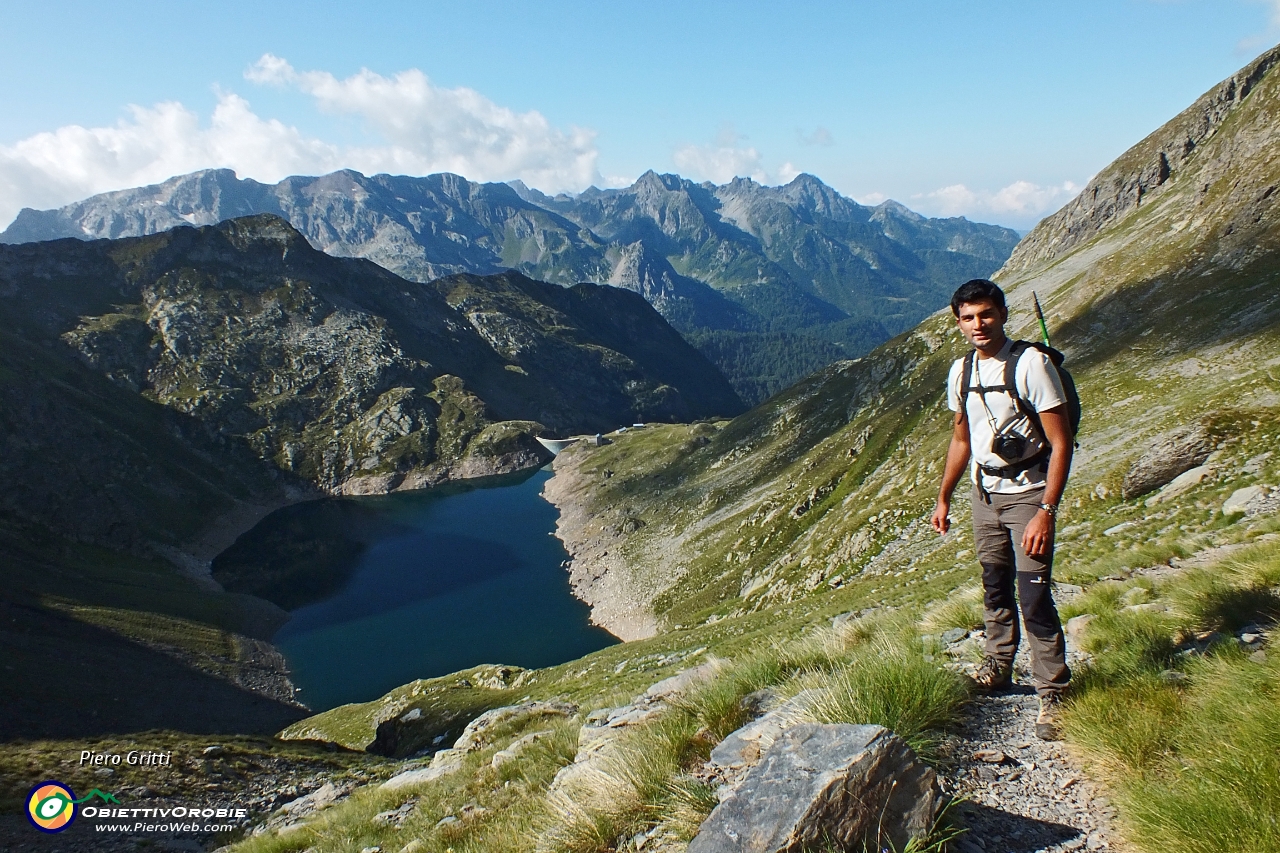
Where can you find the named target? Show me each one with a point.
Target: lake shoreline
(465, 574)
(597, 575)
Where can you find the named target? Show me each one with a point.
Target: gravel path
(1023, 794)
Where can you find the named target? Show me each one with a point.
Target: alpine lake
(384, 590)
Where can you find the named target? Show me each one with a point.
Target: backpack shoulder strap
(1010, 371)
(1011, 367)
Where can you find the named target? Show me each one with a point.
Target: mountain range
(770, 282)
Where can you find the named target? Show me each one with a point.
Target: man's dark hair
(977, 290)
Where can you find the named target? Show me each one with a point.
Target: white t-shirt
(1037, 381)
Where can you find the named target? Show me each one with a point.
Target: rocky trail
(1020, 794)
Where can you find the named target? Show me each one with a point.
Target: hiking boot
(993, 674)
(1047, 721)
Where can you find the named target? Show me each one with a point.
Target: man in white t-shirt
(1019, 448)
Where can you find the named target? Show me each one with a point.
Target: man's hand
(1037, 536)
(940, 520)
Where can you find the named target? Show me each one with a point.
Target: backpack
(1074, 409)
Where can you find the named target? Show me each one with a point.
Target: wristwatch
(1052, 509)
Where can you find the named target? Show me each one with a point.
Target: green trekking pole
(1044, 330)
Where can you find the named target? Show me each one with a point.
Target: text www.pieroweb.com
(182, 823)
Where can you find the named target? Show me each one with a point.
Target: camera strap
(1009, 386)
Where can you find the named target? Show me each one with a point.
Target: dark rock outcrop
(1171, 454)
(826, 786)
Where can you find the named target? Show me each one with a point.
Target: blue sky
(999, 111)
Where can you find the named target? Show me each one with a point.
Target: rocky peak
(892, 209)
(653, 183)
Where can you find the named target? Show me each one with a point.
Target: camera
(1009, 446)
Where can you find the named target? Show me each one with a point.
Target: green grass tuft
(889, 682)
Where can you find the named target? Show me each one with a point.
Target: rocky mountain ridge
(345, 375)
(728, 265)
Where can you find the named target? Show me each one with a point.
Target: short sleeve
(953, 386)
(1040, 385)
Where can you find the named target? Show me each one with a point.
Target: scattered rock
(1076, 627)
(1017, 808)
(397, 816)
(1171, 454)
(1181, 484)
(443, 763)
(990, 756)
(954, 635)
(1148, 607)
(293, 815)
(839, 785)
(446, 820)
(1136, 595)
(513, 751)
(681, 682)
(1066, 591)
(1241, 498)
(321, 798)
(476, 735)
(471, 810)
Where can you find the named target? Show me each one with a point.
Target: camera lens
(1009, 446)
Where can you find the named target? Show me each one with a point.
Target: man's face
(982, 324)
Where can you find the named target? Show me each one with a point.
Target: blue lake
(424, 584)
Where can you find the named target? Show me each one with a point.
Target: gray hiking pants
(997, 535)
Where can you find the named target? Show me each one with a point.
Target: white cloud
(57, 167)
(721, 161)
(871, 199)
(425, 129)
(787, 173)
(432, 129)
(1020, 201)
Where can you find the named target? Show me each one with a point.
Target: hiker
(1020, 440)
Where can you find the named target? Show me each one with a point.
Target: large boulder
(826, 786)
(1171, 454)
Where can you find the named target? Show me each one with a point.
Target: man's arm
(957, 462)
(1037, 537)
